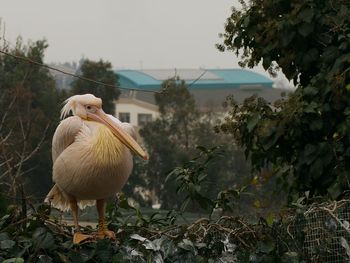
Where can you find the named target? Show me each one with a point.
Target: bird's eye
(90, 108)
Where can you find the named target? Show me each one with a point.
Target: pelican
(92, 160)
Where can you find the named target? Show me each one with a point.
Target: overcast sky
(132, 34)
(129, 33)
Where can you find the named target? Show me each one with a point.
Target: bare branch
(3, 119)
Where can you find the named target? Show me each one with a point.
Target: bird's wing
(125, 125)
(65, 135)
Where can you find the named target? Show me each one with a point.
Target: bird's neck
(106, 147)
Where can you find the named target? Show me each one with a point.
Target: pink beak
(124, 137)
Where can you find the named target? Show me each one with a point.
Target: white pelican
(92, 159)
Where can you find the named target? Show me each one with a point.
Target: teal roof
(195, 78)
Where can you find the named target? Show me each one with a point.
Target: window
(124, 116)
(143, 118)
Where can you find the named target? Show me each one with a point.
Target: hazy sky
(131, 34)
(128, 33)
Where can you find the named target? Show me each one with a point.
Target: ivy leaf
(75, 257)
(167, 247)
(305, 29)
(310, 56)
(187, 244)
(158, 258)
(138, 237)
(151, 246)
(291, 257)
(44, 259)
(306, 15)
(4, 236)
(252, 122)
(266, 247)
(311, 107)
(63, 257)
(345, 245)
(316, 124)
(103, 250)
(7, 244)
(14, 260)
(43, 239)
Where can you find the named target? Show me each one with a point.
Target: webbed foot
(101, 234)
(80, 237)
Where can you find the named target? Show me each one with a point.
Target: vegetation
(300, 144)
(99, 71)
(303, 140)
(30, 106)
(174, 139)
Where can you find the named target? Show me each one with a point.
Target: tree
(172, 141)
(99, 71)
(168, 139)
(177, 106)
(303, 139)
(29, 103)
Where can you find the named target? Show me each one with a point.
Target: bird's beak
(124, 137)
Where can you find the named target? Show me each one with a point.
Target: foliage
(288, 237)
(191, 176)
(304, 140)
(173, 140)
(29, 103)
(168, 140)
(98, 71)
(177, 106)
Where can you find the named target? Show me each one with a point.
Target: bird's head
(81, 105)
(89, 107)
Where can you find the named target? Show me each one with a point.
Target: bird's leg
(102, 228)
(78, 236)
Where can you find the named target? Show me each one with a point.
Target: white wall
(134, 110)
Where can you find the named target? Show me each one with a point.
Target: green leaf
(316, 169)
(344, 243)
(287, 38)
(4, 236)
(103, 250)
(7, 244)
(316, 124)
(187, 244)
(167, 247)
(14, 260)
(138, 237)
(270, 219)
(75, 257)
(311, 107)
(184, 204)
(305, 29)
(252, 122)
(43, 239)
(63, 257)
(266, 247)
(123, 203)
(246, 21)
(310, 152)
(290, 257)
(44, 259)
(335, 190)
(306, 14)
(310, 56)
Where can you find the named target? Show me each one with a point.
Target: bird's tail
(59, 200)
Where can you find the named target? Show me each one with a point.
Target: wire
(200, 76)
(71, 74)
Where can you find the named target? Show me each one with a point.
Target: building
(210, 88)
